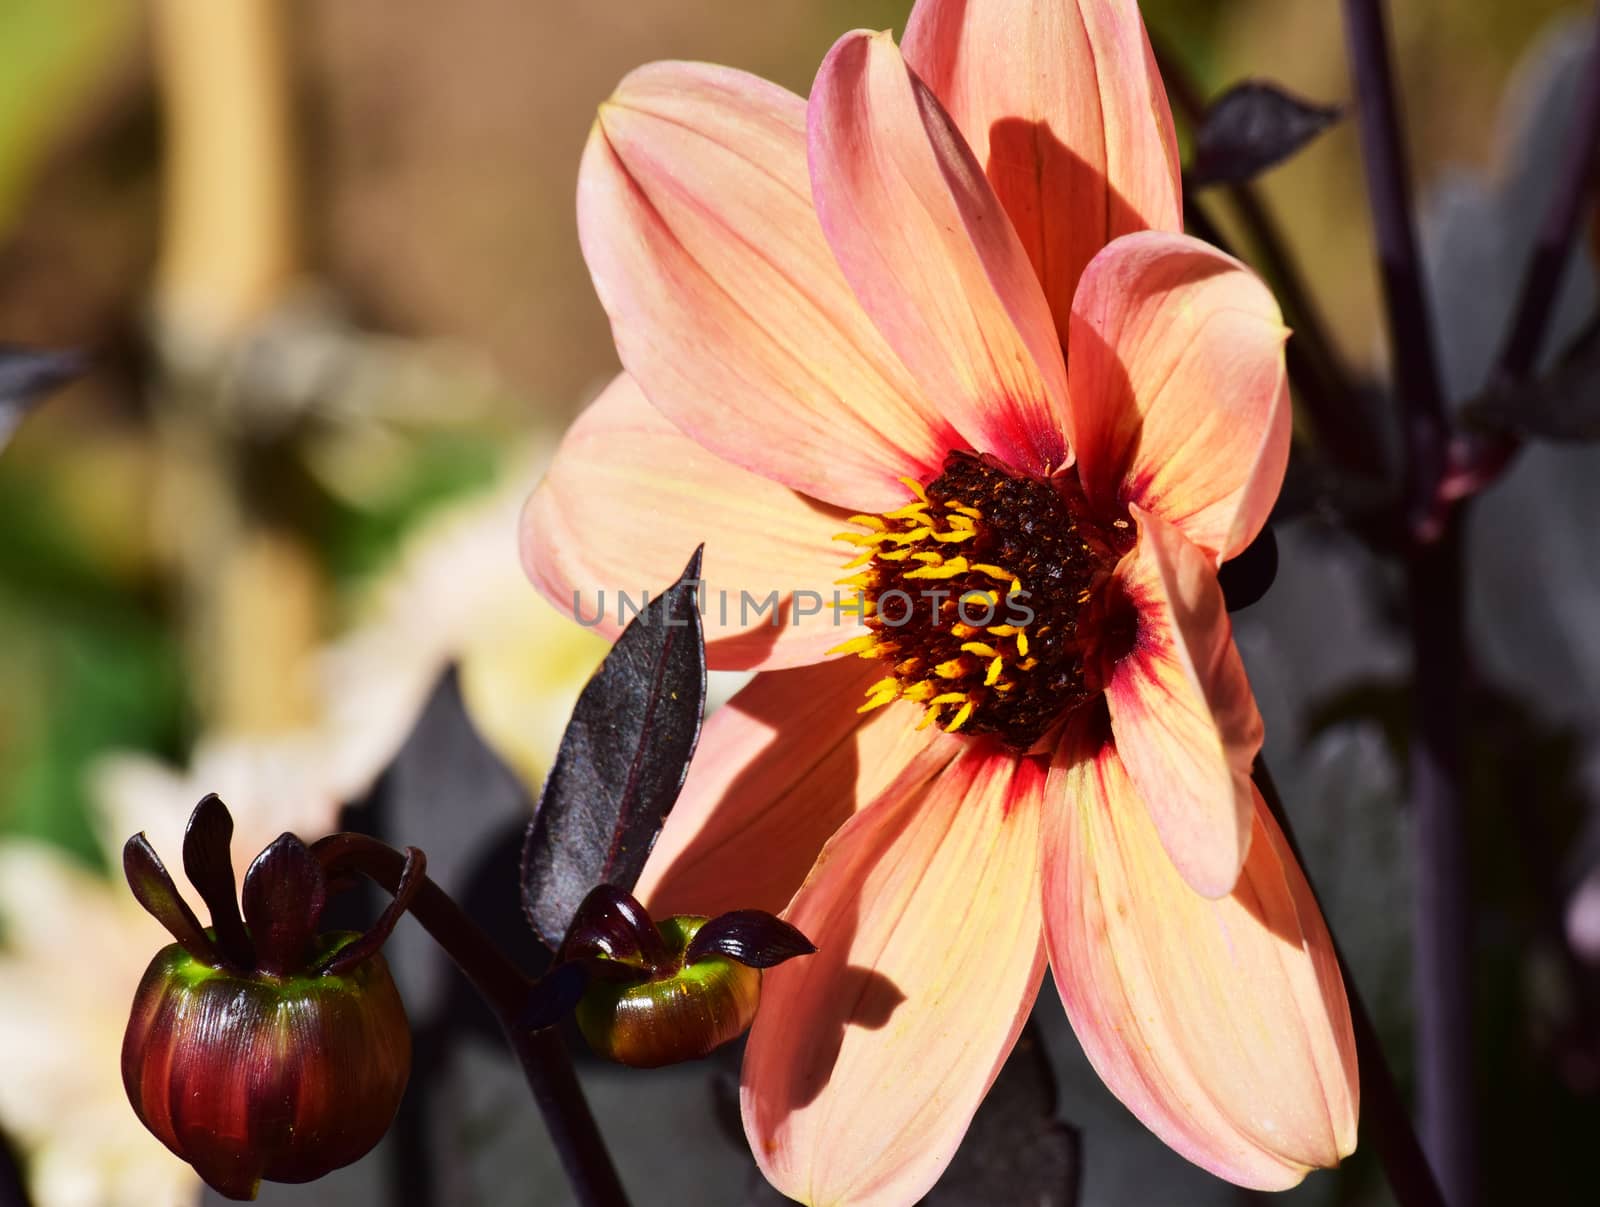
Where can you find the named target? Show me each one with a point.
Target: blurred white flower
(75, 947)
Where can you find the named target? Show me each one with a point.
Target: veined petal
(1062, 104)
(929, 251)
(778, 770)
(627, 499)
(1181, 401)
(868, 1059)
(695, 216)
(1222, 1025)
(1184, 716)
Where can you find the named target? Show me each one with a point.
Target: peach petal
(932, 256)
(1063, 106)
(1222, 1024)
(695, 216)
(1181, 401)
(868, 1059)
(778, 770)
(1182, 710)
(627, 499)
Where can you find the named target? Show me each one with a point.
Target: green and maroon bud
(259, 1049)
(660, 993)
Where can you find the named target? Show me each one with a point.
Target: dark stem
(1399, 262)
(545, 1062)
(555, 1085)
(1442, 943)
(1442, 940)
(1547, 267)
(1385, 1122)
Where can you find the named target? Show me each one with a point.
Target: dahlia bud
(259, 1049)
(661, 993)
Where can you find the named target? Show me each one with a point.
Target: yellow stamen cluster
(936, 658)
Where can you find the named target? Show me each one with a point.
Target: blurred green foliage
(88, 660)
(360, 541)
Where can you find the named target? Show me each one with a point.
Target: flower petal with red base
(1182, 710)
(626, 497)
(779, 768)
(695, 216)
(1063, 106)
(932, 256)
(868, 1059)
(1180, 397)
(1221, 1024)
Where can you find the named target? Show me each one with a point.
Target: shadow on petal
(1027, 165)
(858, 1086)
(779, 769)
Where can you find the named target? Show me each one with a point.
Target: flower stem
(1442, 938)
(545, 1062)
(1384, 1119)
(1442, 946)
(1399, 262)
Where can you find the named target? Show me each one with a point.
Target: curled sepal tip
(284, 893)
(208, 862)
(754, 937)
(412, 877)
(153, 888)
(611, 928)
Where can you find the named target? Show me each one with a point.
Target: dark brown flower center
(980, 596)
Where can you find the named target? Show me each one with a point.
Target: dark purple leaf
(208, 862)
(751, 936)
(474, 851)
(1246, 578)
(26, 376)
(612, 924)
(1016, 1150)
(412, 878)
(153, 888)
(621, 763)
(1252, 127)
(284, 892)
(1563, 405)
